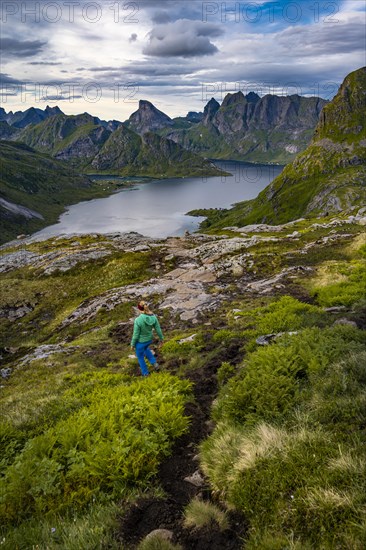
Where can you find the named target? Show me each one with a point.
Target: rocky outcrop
(148, 118)
(267, 129)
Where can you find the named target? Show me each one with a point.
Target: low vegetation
(82, 436)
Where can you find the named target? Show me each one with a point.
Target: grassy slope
(37, 181)
(289, 444)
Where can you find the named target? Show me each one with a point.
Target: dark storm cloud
(6, 79)
(19, 48)
(183, 38)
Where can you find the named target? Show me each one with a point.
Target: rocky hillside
(330, 175)
(34, 188)
(75, 138)
(252, 433)
(267, 129)
(88, 145)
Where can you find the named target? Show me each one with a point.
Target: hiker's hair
(143, 306)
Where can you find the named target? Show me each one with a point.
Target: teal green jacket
(143, 327)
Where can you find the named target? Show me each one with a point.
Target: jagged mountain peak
(210, 111)
(148, 118)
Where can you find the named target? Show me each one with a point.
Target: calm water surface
(158, 208)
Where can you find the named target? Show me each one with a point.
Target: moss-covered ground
(82, 435)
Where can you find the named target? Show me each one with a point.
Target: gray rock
(5, 373)
(14, 313)
(195, 479)
(42, 352)
(345, 321)
(16, 260)
(188, 339)
(267, 285)
(266, 339)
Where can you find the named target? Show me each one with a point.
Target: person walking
(142, 336)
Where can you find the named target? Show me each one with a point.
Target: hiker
(142, 336)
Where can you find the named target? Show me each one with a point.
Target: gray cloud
(6, 79)
(60, 98)
(44, 63)
(133, 37)
(338, 38)
(161, 17)
(183, 38)
(19, 48)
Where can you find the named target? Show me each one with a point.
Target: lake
(158, 208)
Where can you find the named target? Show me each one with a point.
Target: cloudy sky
(104, 56)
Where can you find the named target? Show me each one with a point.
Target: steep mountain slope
(76, 138)
(330, 175)
(7, 131)
(34, 188)
(268, 129)
(127, 153)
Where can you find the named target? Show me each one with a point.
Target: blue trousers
(142, 351)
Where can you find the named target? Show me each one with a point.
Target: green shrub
(268, 388)
(345, 292)
(224, 373)
(338, 397)
(270, 382)
(174, 348)
(115, 442)
(283, 314)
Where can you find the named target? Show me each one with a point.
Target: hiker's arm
(158, 330)
(135, 335)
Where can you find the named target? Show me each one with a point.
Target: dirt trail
(149, 514)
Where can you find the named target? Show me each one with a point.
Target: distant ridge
(329, 176)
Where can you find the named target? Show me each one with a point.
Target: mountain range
(329, 176)
(249, 128)
(271, 129)
(91, 147)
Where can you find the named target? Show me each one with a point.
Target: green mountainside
(329, 176)
(34, 188)
(87, 145)
(127, 153)
(75, 138)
